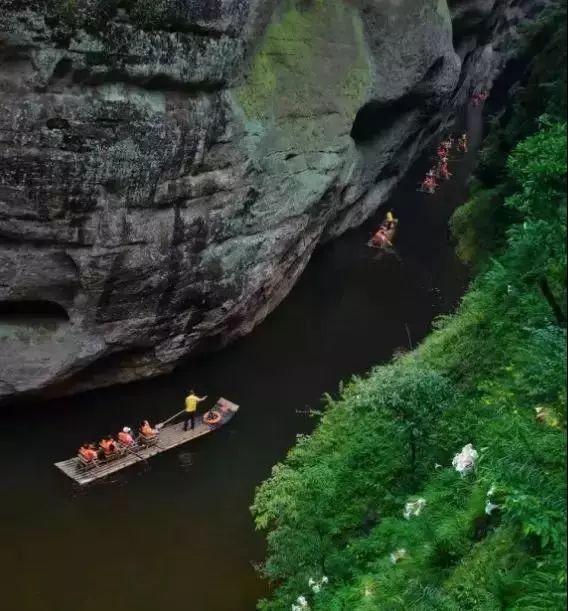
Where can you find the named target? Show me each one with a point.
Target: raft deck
(169, 437)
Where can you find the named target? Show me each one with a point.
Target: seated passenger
(107, 447)
(380, 238)
(443, 171)
(429, 184)
(87, 452)
(147, 431)
(125, 436)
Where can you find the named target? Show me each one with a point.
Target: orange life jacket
(147, 431)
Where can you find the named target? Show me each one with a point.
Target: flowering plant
(464, 462)
(413, 508)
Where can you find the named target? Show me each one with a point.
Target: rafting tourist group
(441, 170)
(109, 448)
(383, 237)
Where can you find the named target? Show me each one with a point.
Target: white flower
(316, 589)
(492, 490)
(324, 580)
(302, 602)
(311, 582)
(413, 508)
(490, 507)
(464, 462)
(437, 466)
(400, 554)
(296, 608)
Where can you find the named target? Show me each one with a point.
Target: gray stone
(166, 171)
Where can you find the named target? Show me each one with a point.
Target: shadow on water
(176, 534)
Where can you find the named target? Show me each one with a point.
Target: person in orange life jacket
(191, 402)
(107, 447)
(429, 183)
(125, 436)
(147, 431)
(443, 171)
(380, 238)
(442, 151)
(87, 452)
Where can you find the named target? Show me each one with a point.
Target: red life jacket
(125, 438)
(378, 238)
(87, 454)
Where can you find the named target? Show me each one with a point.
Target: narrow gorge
(168, 168)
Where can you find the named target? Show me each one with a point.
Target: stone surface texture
(167, 167)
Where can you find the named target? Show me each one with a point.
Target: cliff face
(168, 167)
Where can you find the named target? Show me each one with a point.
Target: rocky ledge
(168, 167)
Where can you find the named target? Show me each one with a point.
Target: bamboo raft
(169, 437)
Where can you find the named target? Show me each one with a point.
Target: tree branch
(547, 293)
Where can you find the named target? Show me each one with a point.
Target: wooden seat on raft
(86, 465)
(148, 441)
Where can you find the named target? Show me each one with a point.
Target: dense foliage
(374, 500)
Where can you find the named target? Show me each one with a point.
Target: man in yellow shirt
(391, 220)
(191, 402)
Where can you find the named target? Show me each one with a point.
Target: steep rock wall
(168, 167)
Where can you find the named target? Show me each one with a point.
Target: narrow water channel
(178, 536)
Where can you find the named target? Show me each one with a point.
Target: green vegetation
(484, 535)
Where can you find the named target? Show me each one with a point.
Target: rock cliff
(167, 167)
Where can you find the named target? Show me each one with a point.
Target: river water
(177, 535)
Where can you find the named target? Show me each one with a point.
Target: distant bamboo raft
(169, 437)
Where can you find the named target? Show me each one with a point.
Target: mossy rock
(312, 62)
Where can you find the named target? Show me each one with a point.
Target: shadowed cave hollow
(374, 118)
(14, 310)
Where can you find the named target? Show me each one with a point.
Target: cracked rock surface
(167, 168)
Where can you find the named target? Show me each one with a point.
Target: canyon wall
(168, 167)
